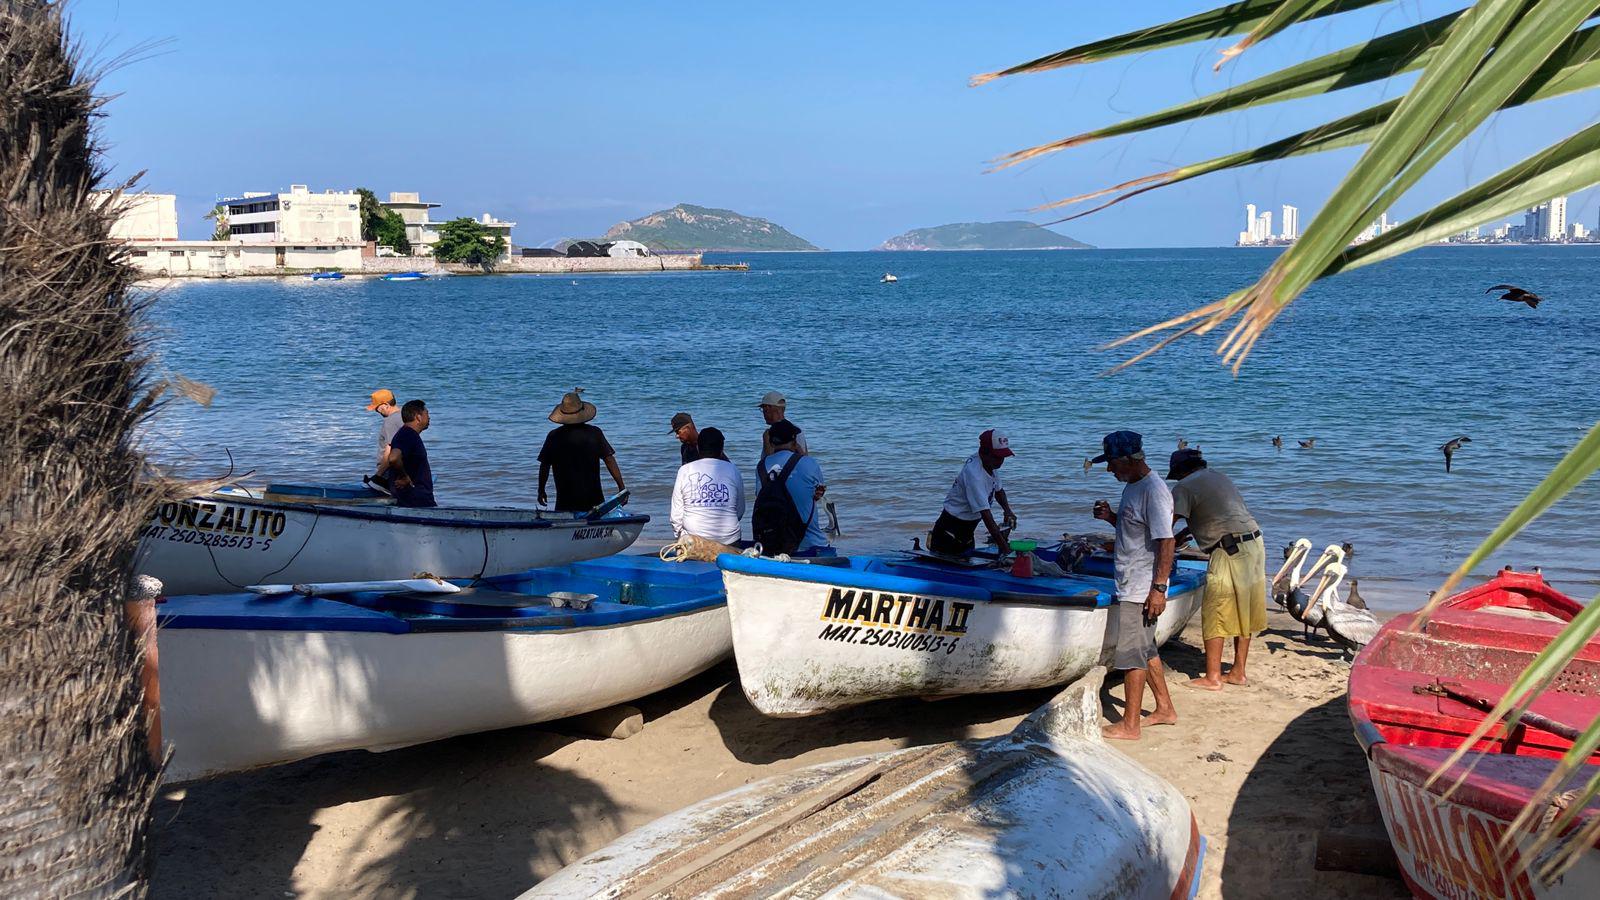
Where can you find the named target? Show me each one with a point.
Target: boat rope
(212, 553)
(1559, 803)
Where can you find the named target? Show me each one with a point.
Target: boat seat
(1490, 627)
(1394, 703)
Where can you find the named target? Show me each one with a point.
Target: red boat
(1416, 695)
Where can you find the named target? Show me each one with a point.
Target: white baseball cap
(773, 398)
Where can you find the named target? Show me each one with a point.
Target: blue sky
(846, 123)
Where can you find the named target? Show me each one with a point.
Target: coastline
(492, 814)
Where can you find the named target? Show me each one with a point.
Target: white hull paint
(1447, 849)
(1047, 811)
(794, 660)
(224, 541)
(239, 699)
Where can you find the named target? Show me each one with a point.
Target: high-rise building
(1555, 220)
(1264, 227)
(1290, 223)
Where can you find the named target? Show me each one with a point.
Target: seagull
(1308, 444)
(1514, 294)
(1277, 443)
(1354, 598)
(1450, 447)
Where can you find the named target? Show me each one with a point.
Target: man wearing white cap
(975, 490)
(774, 408)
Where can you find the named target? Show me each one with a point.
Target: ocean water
(893, 383)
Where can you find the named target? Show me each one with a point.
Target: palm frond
(1224, 21)
(1289, 13)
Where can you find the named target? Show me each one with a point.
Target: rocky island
(687, 227)
(984, 236)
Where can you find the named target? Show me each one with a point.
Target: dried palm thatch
(75, 778)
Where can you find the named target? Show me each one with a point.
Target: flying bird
(1450, 447)
(1308, 444)
(1514, 294)
(1277, 443)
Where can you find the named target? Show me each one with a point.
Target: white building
(298, 217)
(222, 258)
(1579, 233)
(1290, 223)
(143, 216)
(420, 230)
(1249, 224)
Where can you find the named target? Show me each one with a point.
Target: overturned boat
(261, 678)
(296, 533)
(1416, 695)
(816, 635)
(1048, 810)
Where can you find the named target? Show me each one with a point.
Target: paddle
(609, 505)
(1459, 694)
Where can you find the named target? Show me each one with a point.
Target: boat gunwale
(377, 513)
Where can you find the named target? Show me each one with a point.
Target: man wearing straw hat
(574, 450)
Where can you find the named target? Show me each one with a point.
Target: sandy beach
(1266, 767)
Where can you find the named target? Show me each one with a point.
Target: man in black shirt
(575, 450)
(412, 481)
(683, 427)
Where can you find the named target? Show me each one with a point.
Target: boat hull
(1028, 814)
(228, 540)
(238, 699)
(803, 650)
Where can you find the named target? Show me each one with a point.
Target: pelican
(1287, 582)
(1305, 609)
(1348, 625)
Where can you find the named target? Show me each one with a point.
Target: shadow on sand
(1273, 842)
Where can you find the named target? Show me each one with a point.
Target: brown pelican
(1308, 444)
(1451, 446)
(1349, 626)
(1287, 582)
(1309, 611)
(1277, 443)
(1514, 294)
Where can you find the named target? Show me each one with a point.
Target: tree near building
(222, 232)
(382, 224)
(469, 241)
(79, 778)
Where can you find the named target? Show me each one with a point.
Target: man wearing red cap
(975, 490)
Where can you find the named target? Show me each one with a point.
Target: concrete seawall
(542, 265)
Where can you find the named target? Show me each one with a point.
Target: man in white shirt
(1143, 562)
(775, 409)
(708, 497)
(383, 404)
(976, 488)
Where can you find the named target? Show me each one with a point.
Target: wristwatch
(1158, 586)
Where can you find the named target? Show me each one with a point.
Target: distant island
(687, 227)
(984, 236)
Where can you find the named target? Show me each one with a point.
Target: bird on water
(1277, 443)
(1450, 447)
(1308, 444)
(1514, 294)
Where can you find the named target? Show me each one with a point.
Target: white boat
(812, 637)
(1049, 810)
(888, 279)
(251, 680)
(235, 537)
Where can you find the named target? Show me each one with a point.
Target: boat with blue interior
(282, 673)
(815, 635)
(405, 276)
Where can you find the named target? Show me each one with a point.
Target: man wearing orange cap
(383, 404)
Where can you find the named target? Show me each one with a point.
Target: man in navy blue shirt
(408, 458)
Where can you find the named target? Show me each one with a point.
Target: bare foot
(1121, 731)
(1203, 683)
(1160, 718)
(1238, 680)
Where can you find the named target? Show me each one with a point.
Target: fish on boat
(297, 533)
(405, 276)
(255, 679)
(1415, 696)
(816, 635)
(1049, 810)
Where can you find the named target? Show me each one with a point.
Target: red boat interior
(1431, 688)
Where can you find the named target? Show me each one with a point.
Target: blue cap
(1118, 444)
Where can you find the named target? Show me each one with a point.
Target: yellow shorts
(1235, 601)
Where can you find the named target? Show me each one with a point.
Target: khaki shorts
(1136, 641)
(1235, 601)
